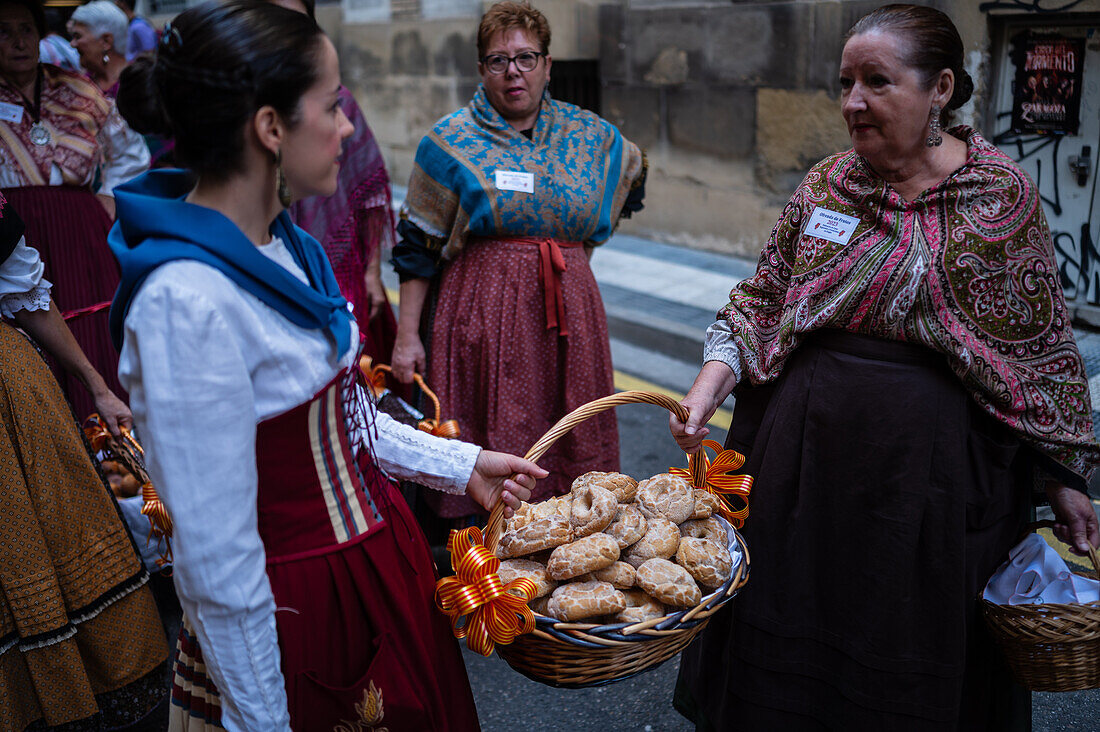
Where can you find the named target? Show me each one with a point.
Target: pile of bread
(618, 551)
(123, 483)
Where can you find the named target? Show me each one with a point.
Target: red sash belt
(551, 265)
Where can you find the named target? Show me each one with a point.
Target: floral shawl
(74, 110)
(966, 269)
(582, 168)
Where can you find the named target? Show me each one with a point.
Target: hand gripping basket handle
(695, 461)
(1048, 524)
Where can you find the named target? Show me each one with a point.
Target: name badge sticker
(11, 113)
(831, 226)
(511, 180)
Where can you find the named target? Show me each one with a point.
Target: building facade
(734, 100)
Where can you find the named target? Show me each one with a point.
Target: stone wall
(732, 100)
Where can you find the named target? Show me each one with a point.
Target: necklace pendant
(39, 134)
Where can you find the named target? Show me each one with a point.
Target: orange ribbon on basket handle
(374, 375)
(720, 484)
(160, 523)
(96, 432)
(497, 612)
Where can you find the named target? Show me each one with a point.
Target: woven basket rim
(1049, 646)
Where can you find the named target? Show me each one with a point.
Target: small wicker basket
(577, 655)
(1052, 647)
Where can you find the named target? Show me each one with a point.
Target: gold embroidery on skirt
(370, 713)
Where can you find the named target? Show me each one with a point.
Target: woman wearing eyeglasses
(507, 199)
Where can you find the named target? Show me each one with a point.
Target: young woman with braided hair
(306, 585)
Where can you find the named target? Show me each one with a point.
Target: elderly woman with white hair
(99, 31)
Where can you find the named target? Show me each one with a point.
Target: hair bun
(138, 100)
(964, 88)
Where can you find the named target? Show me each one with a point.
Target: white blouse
(22, 286)
(204, 362)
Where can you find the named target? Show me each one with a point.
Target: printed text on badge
(831, 226)
(511, 180)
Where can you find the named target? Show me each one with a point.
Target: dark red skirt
(373, 602)
(883, 501)
(506, 378)
(68, 227)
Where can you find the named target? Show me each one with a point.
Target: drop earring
(106, 59)
(281, 187)
(934, 136)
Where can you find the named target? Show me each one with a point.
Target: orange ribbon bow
(720, 484)
(498, 612)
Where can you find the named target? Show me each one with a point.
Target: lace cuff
(719, 346)
(406, 453)
(38, 298)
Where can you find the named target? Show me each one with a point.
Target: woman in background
(64, 136)
(508, 198)
(99, 34)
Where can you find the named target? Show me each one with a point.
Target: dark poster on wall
(1047, 94)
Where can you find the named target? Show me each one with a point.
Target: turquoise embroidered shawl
(583, 169)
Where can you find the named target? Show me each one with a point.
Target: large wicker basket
(577, 655)
(1052, 647)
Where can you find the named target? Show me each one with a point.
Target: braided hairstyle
(932, 40)
(216, 66)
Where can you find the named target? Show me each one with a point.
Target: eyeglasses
(497, 63)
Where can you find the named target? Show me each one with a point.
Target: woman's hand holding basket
(1077, 524)
(499, 476)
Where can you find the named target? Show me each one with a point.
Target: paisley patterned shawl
(966, 269)
(74, 110)
(583, 170)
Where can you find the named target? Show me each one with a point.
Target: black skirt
(883, 501)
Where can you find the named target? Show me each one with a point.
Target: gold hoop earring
(281, 186)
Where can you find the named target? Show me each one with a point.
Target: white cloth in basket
(1034, 575)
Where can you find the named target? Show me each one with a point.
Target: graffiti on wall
(1077, 253)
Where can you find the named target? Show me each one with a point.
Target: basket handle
(1049, 524)
(696, 461)
(375, 377)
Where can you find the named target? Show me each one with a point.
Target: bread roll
(639, 607)
(708, 563)
(581, 600)
(592, 510)
(623, 487)
(661, 539)
(669, 583)
(583, 555)
(666, 495)
(545, 533)
(514, 569)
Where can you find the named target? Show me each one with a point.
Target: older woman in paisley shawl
(507, 197)
(906, 375)
(60, 140)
